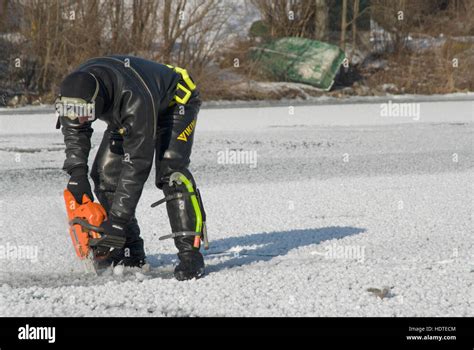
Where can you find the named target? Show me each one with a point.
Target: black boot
(191, 260)
(132, 254)
(181, 199)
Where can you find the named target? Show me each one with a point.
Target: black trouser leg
(173, 151)
(106, 173)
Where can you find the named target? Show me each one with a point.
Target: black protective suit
(143, 117)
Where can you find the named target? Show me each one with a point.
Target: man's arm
(139, 148)
(77, 138)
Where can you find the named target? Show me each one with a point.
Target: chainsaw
(92, 246)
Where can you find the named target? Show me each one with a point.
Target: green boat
(300, 60)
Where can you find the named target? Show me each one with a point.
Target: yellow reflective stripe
(194, 201)
(186, 97)
(185, 76)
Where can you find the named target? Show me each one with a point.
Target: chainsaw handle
(85, 224)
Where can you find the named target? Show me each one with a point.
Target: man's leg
(185, 211)
(106, 173)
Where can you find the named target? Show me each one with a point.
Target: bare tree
(180, 18)
(144, 27)
(293, 17)
(3, 13)
(321, 19)
(118, 23)
(355, 15)
(342, 40)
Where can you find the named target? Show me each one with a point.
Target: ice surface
(341, 200)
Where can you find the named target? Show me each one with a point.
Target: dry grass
(428, 72)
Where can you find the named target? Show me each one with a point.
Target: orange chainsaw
(84, 222)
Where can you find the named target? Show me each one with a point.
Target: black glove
(113, 235)
(79, 184)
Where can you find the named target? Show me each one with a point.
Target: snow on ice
(345, 213)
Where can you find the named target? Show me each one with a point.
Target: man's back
(157, 79)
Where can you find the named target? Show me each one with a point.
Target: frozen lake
(327, 202)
